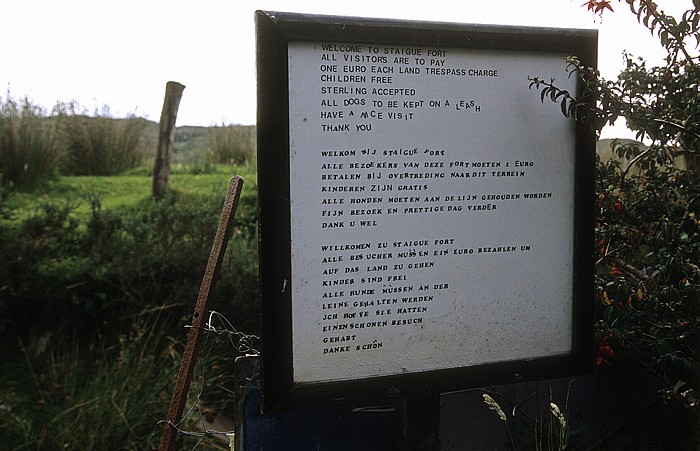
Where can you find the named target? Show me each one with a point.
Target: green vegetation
(108, 393)
(137, 253)
(232, 144)
(648, 206)
(36, 146)
(97, 280)
(30, 151)
(122, 191)
(92, 397)
(100, 144)
(551, 428)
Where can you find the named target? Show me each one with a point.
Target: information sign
(425, 219)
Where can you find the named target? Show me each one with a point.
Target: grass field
(126, 190)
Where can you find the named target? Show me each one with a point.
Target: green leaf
(608, 314)
(680, 384)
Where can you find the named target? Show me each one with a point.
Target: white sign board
(432, 219)
(426, 222)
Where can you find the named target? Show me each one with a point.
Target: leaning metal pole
(189, 358)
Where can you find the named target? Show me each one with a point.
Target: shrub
(56, 272)
(232, 144)
(196, 162)
(100, 144)
(6, 188)
(121, 286)
(648, 242)
(647, 224)
(46, 268)
(29, 149)
(6, 249)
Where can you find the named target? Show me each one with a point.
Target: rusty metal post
(189, 358)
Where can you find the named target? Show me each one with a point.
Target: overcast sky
(121, 53)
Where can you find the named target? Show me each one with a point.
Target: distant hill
(188, 138)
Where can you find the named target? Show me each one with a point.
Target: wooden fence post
(166, 134)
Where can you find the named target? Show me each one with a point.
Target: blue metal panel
(343, 426)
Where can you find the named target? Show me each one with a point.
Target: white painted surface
(494, 306)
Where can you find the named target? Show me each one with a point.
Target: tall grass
(35, 147)
(106, 394)
(30, 150)
(113, 393)
(100, 144)
(232, 144)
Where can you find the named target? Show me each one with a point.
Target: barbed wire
(242, 343)
(245, 341)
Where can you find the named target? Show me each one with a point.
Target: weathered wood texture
(166, 134)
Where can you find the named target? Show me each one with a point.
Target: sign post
(426, 223)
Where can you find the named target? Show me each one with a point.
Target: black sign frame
(275, 30)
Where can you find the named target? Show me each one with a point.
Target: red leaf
(618, 206)
(598, 6)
